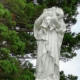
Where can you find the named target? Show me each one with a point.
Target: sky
(72, 66)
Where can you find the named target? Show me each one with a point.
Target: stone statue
(49, 30)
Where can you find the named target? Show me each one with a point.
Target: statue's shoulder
(45, 11)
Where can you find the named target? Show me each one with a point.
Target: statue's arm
(62, 29)
(56, 22)
(37, 25)
(40, 19)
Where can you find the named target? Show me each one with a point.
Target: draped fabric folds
(49, 30)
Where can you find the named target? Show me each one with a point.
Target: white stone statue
(49, 30)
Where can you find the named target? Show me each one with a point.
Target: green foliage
(5, 13)
(69, 45)
(12, 39)
(1, 6)
(6, 17)
(4, 53)
(64, 77)
(8, 66)
(9, 43)
(10, 69)
(3, 32)
(26, 75)
(3, 28)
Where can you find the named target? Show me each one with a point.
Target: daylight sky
(73, 66)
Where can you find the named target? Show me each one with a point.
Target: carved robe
(49, 31)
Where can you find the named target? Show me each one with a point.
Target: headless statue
(49, 31)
